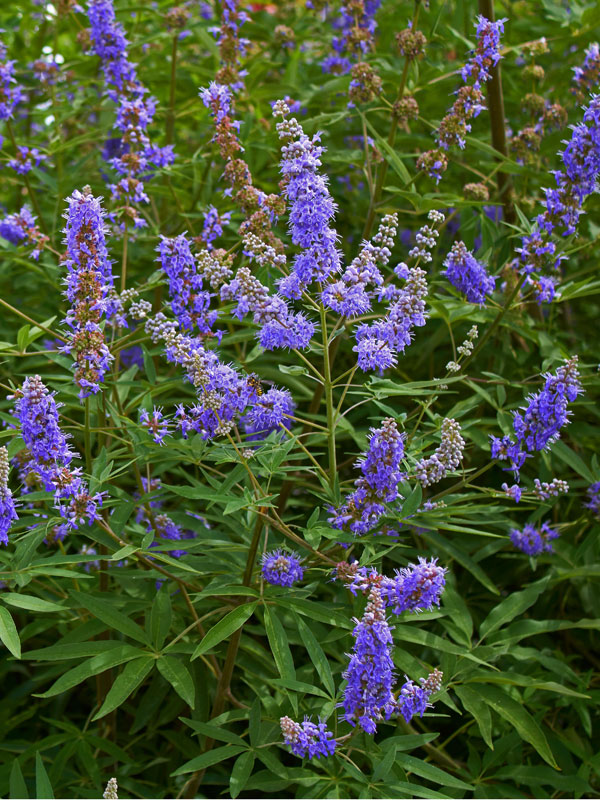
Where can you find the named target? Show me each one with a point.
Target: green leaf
(458, 611)
(178, 675)
(299, 686)
(224, 628)
(429, 772)
(8, 633)
(383, 767)
(30, 602)
(463, 559)
(22, 338)
(242, 769)
(64, 652)
(279, 645)
(514, 679)
(93, 666)
(117, 621)
(511, 607)
(43, 787)
(125, 684)
(208, 759)
(390, 155)
(17, 785)
(409, 633)
(571, 458)
(317, 656)
(160, 617)
(478, 710)
(412, 502)
(525, 725)
(212, 731)
(254, 721)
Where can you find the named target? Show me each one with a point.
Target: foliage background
(517, 639)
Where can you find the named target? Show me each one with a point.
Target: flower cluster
(136, 157)
(223, 394)
(48, 456)
(259, 209)
(350, 295)
(21, 228)
(378, 343)
(563, 204)
(7, 504)
(587, 75)
(89, 282)
(414, 588)
(111, 790)
(231, 45)
(25, 159)
(269, 412)
(369, 694)
(446, 458)
(281, 568)
(11, 94)
(312, 207)
(413, 699)
(356, 25)
(365, 84)
(308, 739)
(189, 301)
(467, 274)
(544, 490)
(368, 697)
(213, 225)
(219, 99)
(546, 117)
(593, 501)
(155, 423)
(534, 541)
(160, 523)
(469, 101)
(378, 484)
(538, 425)
(279, 326)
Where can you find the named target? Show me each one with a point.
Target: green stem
(31, 321)
(328, 388)
(124, 261)
(87, 437)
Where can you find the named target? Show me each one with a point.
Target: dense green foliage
(106, 673)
